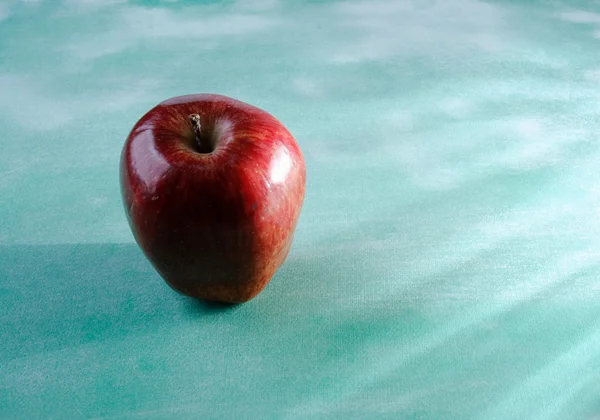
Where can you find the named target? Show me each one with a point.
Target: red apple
(212, 188)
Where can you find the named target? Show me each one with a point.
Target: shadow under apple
(58, 296)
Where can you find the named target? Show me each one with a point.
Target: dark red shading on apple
(212, 189)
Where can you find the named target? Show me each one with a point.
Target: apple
(212, 189)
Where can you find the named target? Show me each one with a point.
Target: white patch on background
(538, 143)
(580, 16)
(97, 201)
(442, 28)
(91, 5)
(137, 25)
(4, 12)
(27, 101)
(161, 23)
(257, 5)
(523, 223)
(426, 163)
(530, 128)
(455, 107)
(533, 150)
(36, 107)
(306, 87)
(439, 178)
(402, 119)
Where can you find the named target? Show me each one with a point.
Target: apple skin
(216, 226)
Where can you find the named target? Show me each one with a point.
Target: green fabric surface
(447, 260)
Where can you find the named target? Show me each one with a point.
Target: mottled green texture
(447, 260)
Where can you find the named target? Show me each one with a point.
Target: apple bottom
(222, 291)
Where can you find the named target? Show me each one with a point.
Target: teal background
(446, 264)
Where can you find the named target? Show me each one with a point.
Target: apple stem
(196, 127)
